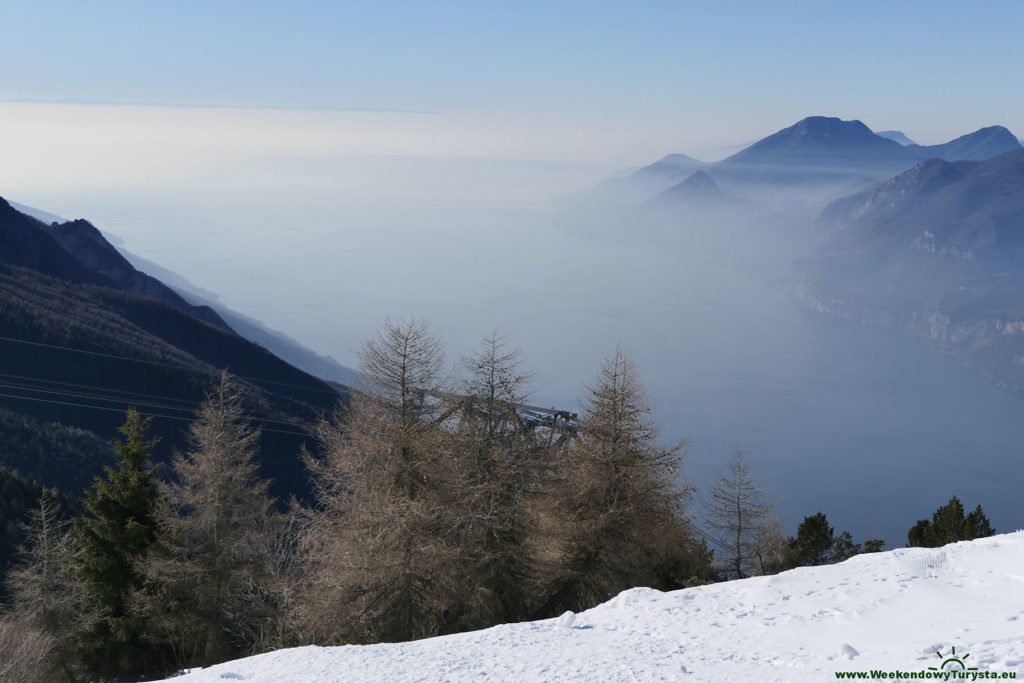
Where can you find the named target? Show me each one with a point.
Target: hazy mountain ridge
(982, 144)
(101, 255)
(823, 141)
(829, 153)
(78, 350)
(699, 187)
(936, 251)
(27, 244)
(922, 238)
(896, 136)
(280, 344)
(85, 243)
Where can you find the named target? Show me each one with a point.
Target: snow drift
(899, 611)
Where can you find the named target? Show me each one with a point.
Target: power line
(146, 413)
(93, 386)
(192, 405)
(94, 397)
(176, 366)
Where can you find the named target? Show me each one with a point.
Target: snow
(896, 611)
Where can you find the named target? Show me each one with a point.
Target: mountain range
(822, 156)
(938, 251)
(84, 335)
(928, 239)
(142, 276)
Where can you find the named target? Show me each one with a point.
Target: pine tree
(815, 540)
(609, 519)
(737, 511)
(949, 525)
(976, 525)
(872, 545)
(209, 572)
(383, 547)
(844, 548)
(113, 535)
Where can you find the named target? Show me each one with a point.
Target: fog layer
(873, 428)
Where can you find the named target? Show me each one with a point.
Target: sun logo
(952, 662)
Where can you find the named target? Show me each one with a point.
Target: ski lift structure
(548, 427)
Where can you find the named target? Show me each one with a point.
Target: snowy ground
(899, 611)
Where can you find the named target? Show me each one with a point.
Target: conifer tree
(949, 525)
(498, 459)
(113, 536)
(44, 593)
(208, 573)
(976, 525)
(815, 541)
(607, 519)
(738, 511)
(383, 543)
(844, 548)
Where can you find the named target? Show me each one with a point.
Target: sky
(700, 74)
(322, 166)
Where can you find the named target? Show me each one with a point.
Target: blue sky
(935, 68)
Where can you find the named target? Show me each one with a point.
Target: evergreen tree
(872, 545)
(844, 548)
(916, 534)
(113, 535)
(949, 525)
(209, 572)
(976, 525)
(613, 512)
(815, 540)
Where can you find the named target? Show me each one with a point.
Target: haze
(454, 191)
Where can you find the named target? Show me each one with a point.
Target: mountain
(670, 166)
(977, 146)
(700, 188)
(896, 136)
(885, 612)
(832, 143)
(800, 169)
(83, 241)
(825, 142)
(42, 216)
(937, 250)
(26, 244)
(281, 345)
(640, 185)
(974, 210)
(101, 253)
(78, 346)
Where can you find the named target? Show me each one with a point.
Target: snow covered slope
(899, 611)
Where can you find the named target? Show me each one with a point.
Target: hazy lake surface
(875, 429)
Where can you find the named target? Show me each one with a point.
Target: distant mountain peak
(828, 123)
(896, 136)
(823, 140)
(700, 182)
(982, 144)
(698, 189)
(669, 165)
